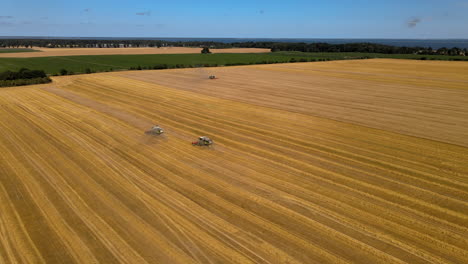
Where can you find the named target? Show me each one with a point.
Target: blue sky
(240, 18)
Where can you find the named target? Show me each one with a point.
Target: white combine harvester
(155, 130)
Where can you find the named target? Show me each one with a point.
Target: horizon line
(331, 38)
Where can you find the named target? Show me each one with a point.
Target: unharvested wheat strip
(382, 78)
(369, 71)
(454, 116)
(260, 75)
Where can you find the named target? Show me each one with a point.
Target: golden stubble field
(334, 162)
(48, 52)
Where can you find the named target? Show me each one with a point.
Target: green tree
(205, 50)
(63, 72)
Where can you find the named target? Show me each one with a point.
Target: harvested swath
(49, 52)
(80, 182)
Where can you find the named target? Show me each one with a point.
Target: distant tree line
(88, 43)
(23, 77)
(365, 48)
(274, 46)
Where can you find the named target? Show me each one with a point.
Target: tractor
(212, 77)
(203, 141)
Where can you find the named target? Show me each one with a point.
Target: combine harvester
(155, 130)
(203, 141)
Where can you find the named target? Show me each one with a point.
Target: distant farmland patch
(16, 50)
(102, 63)
(79, 64)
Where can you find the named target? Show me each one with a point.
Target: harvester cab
(212, 77)
(156, 130)
(203, 141)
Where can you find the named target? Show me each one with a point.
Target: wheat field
(330, 162)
